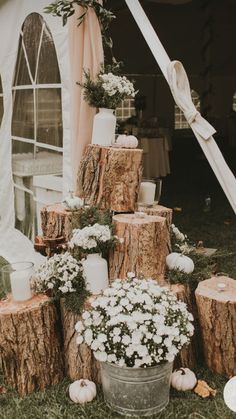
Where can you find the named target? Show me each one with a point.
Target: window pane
(21, 71)
(21, 147)
(32, 29)
(49, 116)
(48, 71)
(23, 114)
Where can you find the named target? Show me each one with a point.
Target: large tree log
(30, 345)
(110, 177)
(79, 360)
(189, 354)
(217, 316)
(160, 211)
(141, 248)
(57, 221)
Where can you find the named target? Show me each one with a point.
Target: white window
(1, 101)
(37, 115)
(234, 102)
(180, 120)
(126, 109)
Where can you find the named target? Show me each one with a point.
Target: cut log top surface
(118, 149)
(10, 306)
(156, 208)
(135, 219)
(57, 207)
(208, 289)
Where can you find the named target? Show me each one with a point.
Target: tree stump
(110, 177)
(141, 248)
(58, 221)
(217, 316)
(188, 355)
(79, 360)
(160, 211)
(30, 349)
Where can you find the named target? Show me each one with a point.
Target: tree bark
(58, 222)
(188, 355)
(217, 315)
(110, 177)
(79, 359)
(30, 348)
(160, 211)
(142, 247)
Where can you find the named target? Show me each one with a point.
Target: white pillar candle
(147, 193)
(96, 273)
(20, 285)
(221, 286)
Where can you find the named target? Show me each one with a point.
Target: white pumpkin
(127, 141)
(178, 261)
(82, 391)
(73, 203)
(183, 379)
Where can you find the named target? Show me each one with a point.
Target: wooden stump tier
(79, 359)
(160, 211)
(141, 248)
(187, 357)
(110, 177)
(30, 346)
(217, 315)
(58, 222)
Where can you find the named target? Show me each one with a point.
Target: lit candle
(147, 193)
(20, 285)
(221, 286)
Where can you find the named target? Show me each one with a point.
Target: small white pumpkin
(73, 203)
(183, 379)
(178, 261)
(127, 141)
(82, 391)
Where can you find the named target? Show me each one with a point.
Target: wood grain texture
(143, 247)
(79, 359)
(58, 222)
(217, 316)
(30, 345)
(110, 177)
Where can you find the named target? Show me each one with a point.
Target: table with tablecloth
(156, 155)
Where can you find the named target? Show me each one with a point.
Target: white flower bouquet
(59, 275)
(135, 323)
(107, 90)
(92, 239)
(180, 242)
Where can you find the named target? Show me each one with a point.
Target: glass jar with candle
(150, 192)
(16, 279)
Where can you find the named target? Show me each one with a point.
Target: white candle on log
(20, 285)
(221, 286)
(147, 193)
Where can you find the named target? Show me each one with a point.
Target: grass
(55, 404)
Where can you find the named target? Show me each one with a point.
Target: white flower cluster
(58, 274)
(181, 239)
(135, 323)
(90, 237)
(117, 84)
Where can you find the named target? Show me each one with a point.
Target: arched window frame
(35, 86)
(180, 120)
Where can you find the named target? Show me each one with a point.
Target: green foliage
(75, 301)
(93, 215)
(66, 8)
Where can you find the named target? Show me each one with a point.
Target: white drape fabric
(86, 52)
(178, 82)
(13, 245)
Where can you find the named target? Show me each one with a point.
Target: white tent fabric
(12, 15)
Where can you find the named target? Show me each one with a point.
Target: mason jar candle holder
(150, 192)
(16, 280)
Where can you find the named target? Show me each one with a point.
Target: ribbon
(180, 88)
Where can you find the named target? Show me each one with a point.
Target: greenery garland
(66, 8)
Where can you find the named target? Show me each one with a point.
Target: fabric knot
(191, 115)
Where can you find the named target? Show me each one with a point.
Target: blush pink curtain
(86, 52)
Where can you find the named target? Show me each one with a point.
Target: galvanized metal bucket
(136, 391)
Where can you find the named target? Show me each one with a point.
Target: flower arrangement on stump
(106, 92)
(136, 326)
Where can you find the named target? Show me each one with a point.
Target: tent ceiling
(180, 31)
